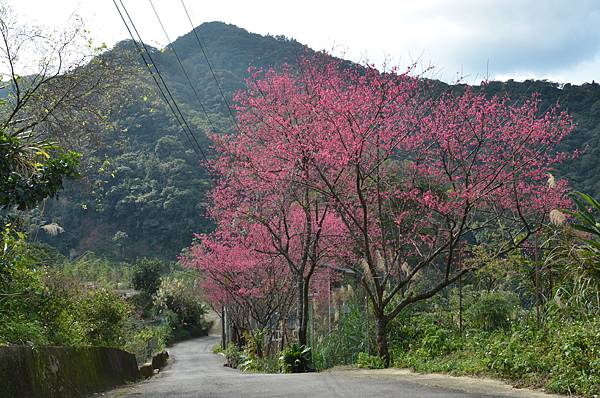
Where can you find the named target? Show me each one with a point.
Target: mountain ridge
(144, 194)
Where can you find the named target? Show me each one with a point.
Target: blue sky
(500, 39)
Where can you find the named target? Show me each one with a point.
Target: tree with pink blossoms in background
(261, 173)
(238, 274)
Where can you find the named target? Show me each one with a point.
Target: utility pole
(223, 324)
(329, 304)
(460, 295)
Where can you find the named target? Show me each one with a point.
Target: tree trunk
(302, 310)
(381, 339)
(223, 327)
(304, 336)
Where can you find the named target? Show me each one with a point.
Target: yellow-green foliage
(95, 270)
(147, 341)
(43, 305)
(367, 361)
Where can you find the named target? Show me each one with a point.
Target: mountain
(143, 187)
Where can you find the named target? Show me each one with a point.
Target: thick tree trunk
(381, 339)
(305, 314)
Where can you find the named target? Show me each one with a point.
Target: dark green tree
(146, 274)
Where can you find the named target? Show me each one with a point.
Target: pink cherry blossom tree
(410, 178)
(261, 172)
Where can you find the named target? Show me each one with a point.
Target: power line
(182, 67)
(155, 66)
(147, 65)
(147, 62)
(233, 120)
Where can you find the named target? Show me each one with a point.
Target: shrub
(425, 334)
(105, 316)
(518, 354)
(296, 359)
(179, 304)
(21, 330)
(252, 358)
(97, 271)
(147, 341)
(266, 365)
(146, 274)
(564, 355)
(574, 353)
(369, 361)
(342, 345)
(42, 254)
(233, 355)
(492, 310)
(27, 308)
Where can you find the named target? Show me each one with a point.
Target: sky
(470, 40)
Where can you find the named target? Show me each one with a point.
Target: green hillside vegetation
(143, 186)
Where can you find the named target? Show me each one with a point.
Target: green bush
(179, 304)
(97, 271)
(564, 354)
(426, 334)
(44, 306)
(367, 361)
(76, 304)
(233, 355)
(43, 255)
(105, 316)
(575, 355)
(143, 305)
(517, 354)
(437, 342)
(146, 274)
(147, 341)
(342, 345)
(492, 310)
(264, 365)
(296, 359)
(21, 330)
(27, 307)
(252, 358)
(561, 356)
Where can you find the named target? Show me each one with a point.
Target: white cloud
(505, 38)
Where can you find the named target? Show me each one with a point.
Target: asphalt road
(194, 371)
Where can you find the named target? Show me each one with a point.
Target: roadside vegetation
(47, 299)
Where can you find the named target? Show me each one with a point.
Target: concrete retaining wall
(49, 372)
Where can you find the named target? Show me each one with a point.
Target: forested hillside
(143, 187)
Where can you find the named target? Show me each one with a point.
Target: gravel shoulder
(475, 385)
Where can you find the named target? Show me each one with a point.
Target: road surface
(194, 371)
